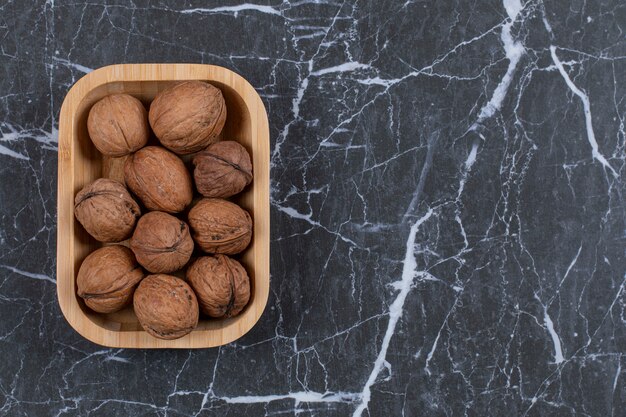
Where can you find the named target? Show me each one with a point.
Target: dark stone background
(509, 301)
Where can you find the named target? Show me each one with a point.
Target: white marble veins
(448, 234)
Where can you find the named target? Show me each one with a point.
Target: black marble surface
(448, 232)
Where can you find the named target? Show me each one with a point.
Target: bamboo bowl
(80, 163)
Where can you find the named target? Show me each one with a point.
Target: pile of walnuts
(160, 215)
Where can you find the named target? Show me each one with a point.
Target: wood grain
(80, 163)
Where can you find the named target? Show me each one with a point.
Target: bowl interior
(89, 165)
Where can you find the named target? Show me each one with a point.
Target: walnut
(118, 125)
(221, 285)
(106, 210)
(159, 178)
(188, 116)
(219, 226)
(107, 278)
(161, 242)
(166, 306)
(222, 170)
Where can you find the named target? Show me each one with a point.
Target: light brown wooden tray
(80, 163)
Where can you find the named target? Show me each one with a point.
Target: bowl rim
(157, 72)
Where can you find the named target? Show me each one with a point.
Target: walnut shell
(222, 170)
(159, 178)
(221, 285)
(106, 210)
(166, 306)
(188, 116)
(107, 278)
(118, 125)
(161, 242)
(219, 226)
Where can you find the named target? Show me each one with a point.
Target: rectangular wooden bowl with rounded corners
(80, 163)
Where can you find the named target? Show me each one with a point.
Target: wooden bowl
(80, 163)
